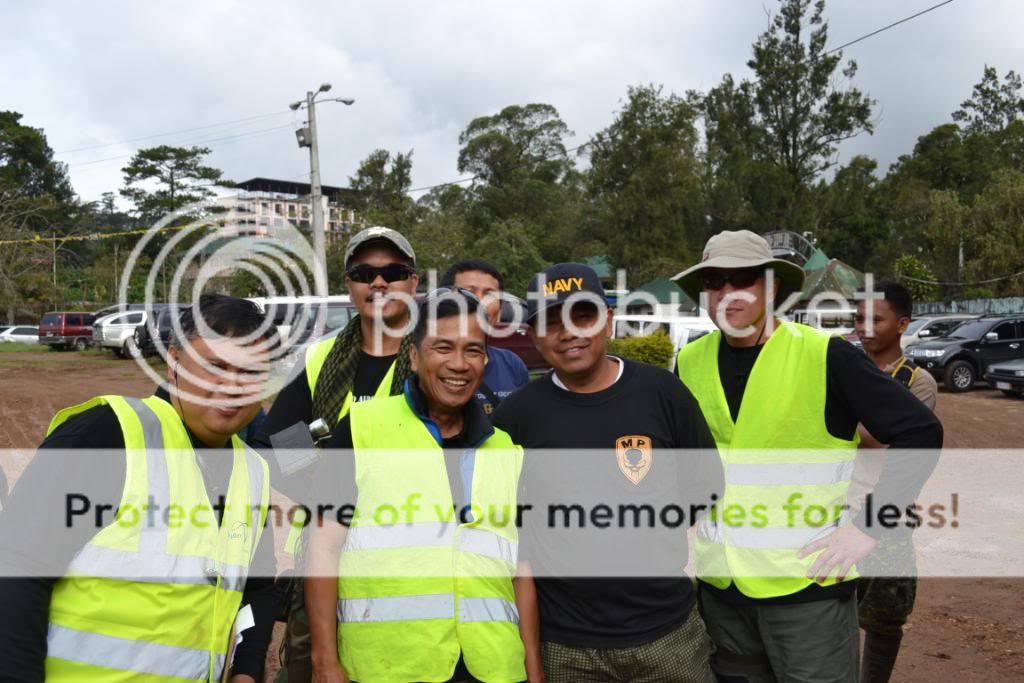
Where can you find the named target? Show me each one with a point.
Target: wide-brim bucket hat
(734, 250)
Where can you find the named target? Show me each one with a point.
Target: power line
(886, 28)
(238, 136)
(963, 284)
(175, 132)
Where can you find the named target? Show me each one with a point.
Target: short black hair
(898, 296)
(472, 264)
(444, 307)
(228, 316)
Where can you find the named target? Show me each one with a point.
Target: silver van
(117, 332)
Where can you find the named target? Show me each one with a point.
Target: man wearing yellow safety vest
(783, 402)
(369, 358)
(155, 534)
(415, 581)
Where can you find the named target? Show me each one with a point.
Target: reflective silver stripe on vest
(382, 536)
(140, 656)
(155, 567)
(255, 467)
(487, 609)
(151, 563)
(397, 608)
(154, 539)
(486, 543)
(777, 538)
(788, 474)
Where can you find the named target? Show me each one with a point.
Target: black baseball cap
(557, 284)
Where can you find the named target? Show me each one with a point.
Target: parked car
(681, 329)
(1007, 377)
(958, 359)
(156, 327)
(26, 334)
(120, 308)
(66, 329)
(932, 327)
(117, 332)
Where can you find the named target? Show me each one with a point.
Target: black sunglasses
(392, 272)
(740, 279)
(442, 291)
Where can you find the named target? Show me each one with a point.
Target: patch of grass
(18, 347)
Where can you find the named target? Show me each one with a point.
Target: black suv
(960, 358)
(157, 327)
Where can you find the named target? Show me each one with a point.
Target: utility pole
(319, 236)
(307, 137)
(53, 251)
(115, 270)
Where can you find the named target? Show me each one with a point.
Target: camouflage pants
(296, 658)
(886, 592)
(681, 656)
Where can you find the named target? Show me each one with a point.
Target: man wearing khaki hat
(783, 402)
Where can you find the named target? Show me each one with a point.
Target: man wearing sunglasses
(368, 359)
(783, 402)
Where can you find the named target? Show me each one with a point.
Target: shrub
(653, 349)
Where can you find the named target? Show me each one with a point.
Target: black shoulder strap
(905, 372)
(492, 398)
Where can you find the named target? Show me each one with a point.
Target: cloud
(96, 73)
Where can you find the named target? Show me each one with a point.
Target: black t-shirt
(35, 517)
(294, 403)
(856, 391)
(653, 409)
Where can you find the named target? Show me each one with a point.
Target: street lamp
(306, 137)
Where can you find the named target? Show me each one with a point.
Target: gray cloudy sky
(96, 73)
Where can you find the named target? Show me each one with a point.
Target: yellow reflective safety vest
(786, 476)
(153, 596)
(418, 585)
(316, 355)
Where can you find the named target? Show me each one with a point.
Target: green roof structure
(666, 291)
(835, 276)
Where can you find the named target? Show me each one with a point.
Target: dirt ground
(963, 629)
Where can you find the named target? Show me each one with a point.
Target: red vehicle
(519, 343)
(66, 330)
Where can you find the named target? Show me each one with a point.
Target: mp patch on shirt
(635, 456)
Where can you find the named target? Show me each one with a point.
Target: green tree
(644, 185)
(380, 189)
(522, 171)
(36, 200)
(26, 162)
(992, 105)
(997, 223)
(803, 114)
(850, 224)
(784, 126)
(916, 277)
(159, 180)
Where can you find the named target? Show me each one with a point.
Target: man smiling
(153, 600)
(642, 441)
(430, 596)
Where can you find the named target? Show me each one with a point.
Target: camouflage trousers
(681, 656)
(888, 587)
